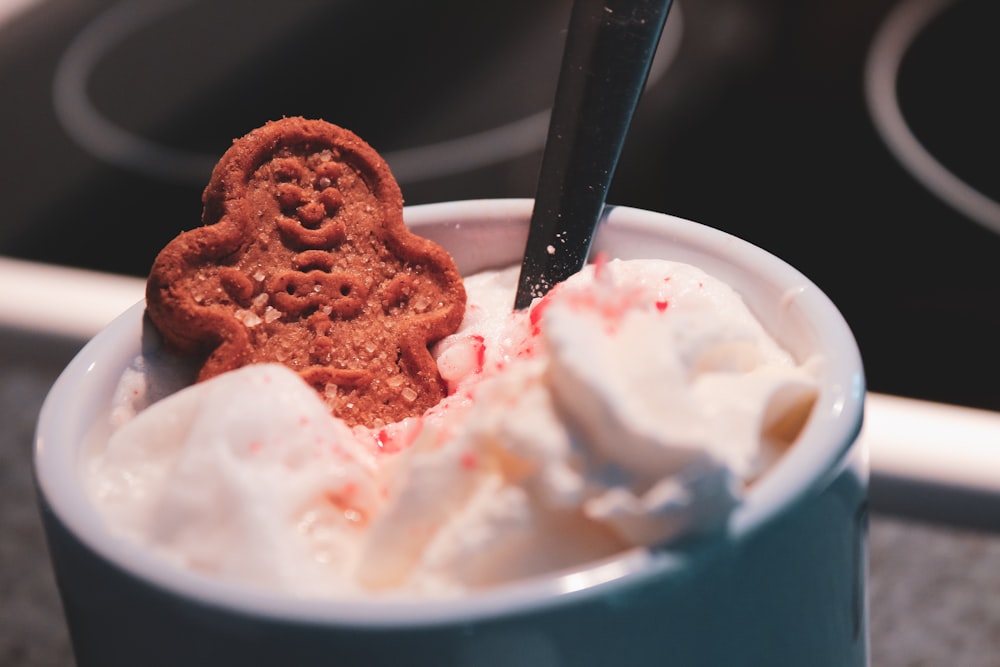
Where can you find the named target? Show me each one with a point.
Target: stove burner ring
(899, 30)
(115, 145)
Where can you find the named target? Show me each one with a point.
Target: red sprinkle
(526, 353)
(662, 305)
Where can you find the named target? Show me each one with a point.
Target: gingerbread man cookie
(304, 259)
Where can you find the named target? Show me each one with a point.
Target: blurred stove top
(755, 121)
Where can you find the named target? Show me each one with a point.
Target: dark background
(756, 125)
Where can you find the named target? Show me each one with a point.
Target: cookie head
(303, 259)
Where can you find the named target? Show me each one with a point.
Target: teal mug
(783, 584)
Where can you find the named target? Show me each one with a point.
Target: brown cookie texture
(303, 259)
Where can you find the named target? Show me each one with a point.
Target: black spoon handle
(608, 52)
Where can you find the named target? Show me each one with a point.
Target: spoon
(609, 49)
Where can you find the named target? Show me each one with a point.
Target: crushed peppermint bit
(480, 345)
(600, 261)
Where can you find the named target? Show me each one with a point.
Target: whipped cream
(631, 406)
